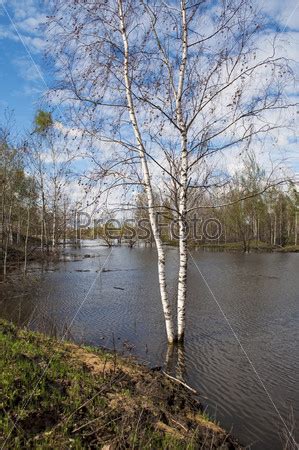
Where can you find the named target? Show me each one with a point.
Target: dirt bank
(59, 395)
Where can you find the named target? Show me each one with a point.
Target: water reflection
(175, 361)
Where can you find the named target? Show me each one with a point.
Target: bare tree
(49, 160)
(162, 90)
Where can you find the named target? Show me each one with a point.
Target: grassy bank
(255, 246)
(63, 396)
(289, 249)
(239, 246)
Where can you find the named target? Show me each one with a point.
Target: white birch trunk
(76, 228)
(54, 224)
(19, 230)
(42, 233)
(183, 252)
(147, 184)
(296, 227)
(64, 223)
(26, 240)
(6, 242)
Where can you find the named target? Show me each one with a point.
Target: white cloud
(32, 24)
(27, 70)
(286, 13)
(25, 22)
(68, 131)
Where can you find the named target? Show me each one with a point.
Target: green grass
(60, 396)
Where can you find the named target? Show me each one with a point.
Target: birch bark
(147, 183)
(183, 253)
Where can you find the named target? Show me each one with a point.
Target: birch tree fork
(163, 91)
(147, 183)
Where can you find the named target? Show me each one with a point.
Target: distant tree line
(263, 219)
(35, 206)
(38, 215)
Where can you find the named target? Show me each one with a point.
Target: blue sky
(23, 74)
(21, 85)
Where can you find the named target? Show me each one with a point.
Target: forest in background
(39, 214)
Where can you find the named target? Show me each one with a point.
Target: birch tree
(166, 88)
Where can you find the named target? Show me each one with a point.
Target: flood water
(252, 303)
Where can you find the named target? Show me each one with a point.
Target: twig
(181, 382)
(178, 423)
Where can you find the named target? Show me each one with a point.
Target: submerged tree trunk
(147, 183)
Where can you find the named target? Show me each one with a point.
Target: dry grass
(58, 395)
